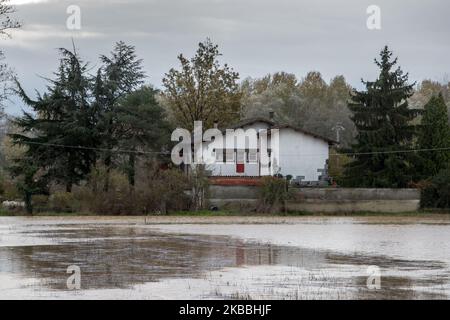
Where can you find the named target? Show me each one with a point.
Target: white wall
(298, 154)
(229, 169)
(301, 154)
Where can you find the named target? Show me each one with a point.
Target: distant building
(294, 152)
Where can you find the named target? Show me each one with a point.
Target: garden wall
(327, 200)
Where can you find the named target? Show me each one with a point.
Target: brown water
(300, 259)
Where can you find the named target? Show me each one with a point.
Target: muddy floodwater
(226, 258)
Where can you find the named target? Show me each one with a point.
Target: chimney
(271, 115)
(216, 124)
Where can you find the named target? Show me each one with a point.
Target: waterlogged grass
(4, 213)
(207, 213)
(371, 214)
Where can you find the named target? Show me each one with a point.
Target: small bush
(161, 191)
(273, 193)
(60, 202)
(117, 200)
(155, 191)
(436, 192)
(40, 202)
(199, 184)
(9, 189)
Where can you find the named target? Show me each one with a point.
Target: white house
(288, 151)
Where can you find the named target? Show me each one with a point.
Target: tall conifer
(385, 130)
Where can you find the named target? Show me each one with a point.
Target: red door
(240, 168)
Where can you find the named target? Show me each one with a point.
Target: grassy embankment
(207, 213)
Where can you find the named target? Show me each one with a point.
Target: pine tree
(60, 134)
(142, 127)
(435, 137)
(384, 125)
(119, 76)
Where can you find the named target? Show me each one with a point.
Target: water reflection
(112, 257)
(120, 257)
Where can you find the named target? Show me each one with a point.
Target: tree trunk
(28, 203)
(70, 172)
(108, 158)
(132, 169)
(108, 162)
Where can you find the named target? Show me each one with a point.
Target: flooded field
(226, 258)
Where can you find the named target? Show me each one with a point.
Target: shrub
(117, 200)
(273, 193)
(40, 202)
(8, 189)
(436, 192)
(155, 191)
(160, 191)
(60, 202)
(199, 184)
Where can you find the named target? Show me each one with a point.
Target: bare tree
(6, 23)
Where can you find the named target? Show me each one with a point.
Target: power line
(390, 152)
(290, 155)
(92, 148)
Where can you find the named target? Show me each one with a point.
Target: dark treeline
(90, 118)
(83, 122)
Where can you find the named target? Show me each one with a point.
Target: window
(252, 156)
(230, 155)
(219, 155)
(240, 156)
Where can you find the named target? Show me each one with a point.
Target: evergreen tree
(435, 136)
(142, 127)
(119, 76)
(60, 134)
(385, 131)
(30, 180)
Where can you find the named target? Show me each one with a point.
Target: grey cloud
(256, 36)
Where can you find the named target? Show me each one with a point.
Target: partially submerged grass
(208, 213)
(4, 213)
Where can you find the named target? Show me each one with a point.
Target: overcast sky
(256, 37)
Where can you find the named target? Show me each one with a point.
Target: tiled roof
(274, 125)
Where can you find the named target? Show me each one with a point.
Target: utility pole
(338, 128)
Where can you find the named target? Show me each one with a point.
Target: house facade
(279, 149)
